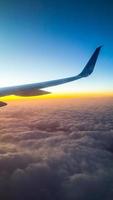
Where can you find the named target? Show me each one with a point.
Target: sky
(44, 40)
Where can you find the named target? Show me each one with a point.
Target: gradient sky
(45, 39)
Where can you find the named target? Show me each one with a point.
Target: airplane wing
(35, 89)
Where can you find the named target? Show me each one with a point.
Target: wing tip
(99, 48)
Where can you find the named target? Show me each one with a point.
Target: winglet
(88, 69)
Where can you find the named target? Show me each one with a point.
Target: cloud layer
(61, 150)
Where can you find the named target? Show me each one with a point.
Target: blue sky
(44, 40)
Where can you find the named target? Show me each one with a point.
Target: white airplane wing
(35, 89)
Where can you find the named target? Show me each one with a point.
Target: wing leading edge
(35, 88)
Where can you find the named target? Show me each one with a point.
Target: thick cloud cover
(60, 150)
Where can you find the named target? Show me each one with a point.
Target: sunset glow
(59, 96)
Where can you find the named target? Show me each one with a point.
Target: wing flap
(30, 92)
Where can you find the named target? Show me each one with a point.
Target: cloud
(63, 151)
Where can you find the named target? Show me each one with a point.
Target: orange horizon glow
(61, 95)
